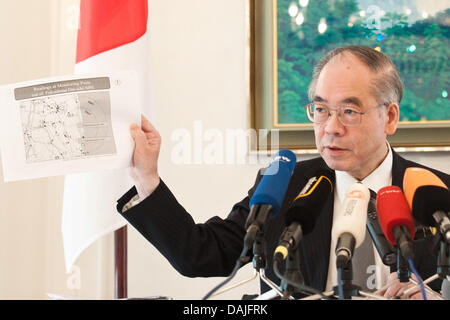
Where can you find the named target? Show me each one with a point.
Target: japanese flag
(112, 36)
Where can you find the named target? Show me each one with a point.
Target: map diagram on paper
(69, 124)
(67, 127)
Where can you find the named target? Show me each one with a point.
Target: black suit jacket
(212, 248)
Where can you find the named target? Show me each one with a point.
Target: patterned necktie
(364, 268)
(363, 263)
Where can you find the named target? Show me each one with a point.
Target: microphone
(395, 219)
(424, 232)
(384, 248)
(268, 196)
(300, 219)
(429, 199)
(444, 224)
(302, 214)
(350, 229)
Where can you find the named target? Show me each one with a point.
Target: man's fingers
(146, 125)
(392, 291)
(133, 127)
(138, 135)
(396, 289)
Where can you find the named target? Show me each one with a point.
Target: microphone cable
(243, 259)
(301, 287)
(340, 284)
(419, 279)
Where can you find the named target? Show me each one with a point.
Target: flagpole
(120, 263)
(107, 36)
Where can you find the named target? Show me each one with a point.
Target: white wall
(199, 72)
(37, 43)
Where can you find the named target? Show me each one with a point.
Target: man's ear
(392, 118)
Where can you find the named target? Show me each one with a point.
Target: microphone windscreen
(426, 193)
(393, 211)
(275, 180)
(417, 177)
(353, 217)
(429, 199)
(307, 205)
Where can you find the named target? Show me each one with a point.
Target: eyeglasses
(348, 116)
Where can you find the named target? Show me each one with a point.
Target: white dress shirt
(379, 178)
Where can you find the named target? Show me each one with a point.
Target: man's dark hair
(386, 86)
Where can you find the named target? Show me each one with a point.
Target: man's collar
(379, 178)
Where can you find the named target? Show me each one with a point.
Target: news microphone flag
(349, 231)
(306, 207)
(269, 194)
(393, 211)
(303, 212)
(112, 36)
(275, 180)
(428, 198)
(396, 220)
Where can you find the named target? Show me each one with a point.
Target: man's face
(358, 150)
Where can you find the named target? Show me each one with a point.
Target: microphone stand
(404, 276)
(346, 276)
(292, 274)
(292, 277)
(403, 273)
(292, 280)
(443, 266)
(443, 263)
(260, 261)
(443, 270)
(255, 237)
(259, 264)
(256, 225)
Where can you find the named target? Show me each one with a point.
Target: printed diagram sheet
(60, 126)
(67, 127)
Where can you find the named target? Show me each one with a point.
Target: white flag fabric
(112, 36)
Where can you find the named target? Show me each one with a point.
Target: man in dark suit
(355, 94)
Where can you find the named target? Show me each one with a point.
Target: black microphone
(429, 199)
(300, 220)
(431, 204)
(384, 248)
(302, 214)
(424, 232)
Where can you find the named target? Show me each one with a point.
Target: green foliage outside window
(418, 45)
